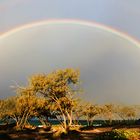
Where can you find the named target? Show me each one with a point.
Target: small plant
(125, 134)
(128, 134)
(119, 134)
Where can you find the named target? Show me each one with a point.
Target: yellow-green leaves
(57, 90)
(57, 82)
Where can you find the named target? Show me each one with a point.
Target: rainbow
(73, 21)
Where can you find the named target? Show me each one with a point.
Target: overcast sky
(120, 14)
(109, 64)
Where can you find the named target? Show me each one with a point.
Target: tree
(59, 89)
(109, 111)
(22, 107)
(29, 105)
(90, 111)
(7, 107)
(126, 112)
(1, 108)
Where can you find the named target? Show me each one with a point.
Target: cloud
(109, 64)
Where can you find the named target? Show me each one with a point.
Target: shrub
(126, 134)
(119, 135)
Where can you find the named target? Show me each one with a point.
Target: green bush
(126, 134)
(119, 135)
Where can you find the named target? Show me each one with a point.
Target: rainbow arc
(73, 21)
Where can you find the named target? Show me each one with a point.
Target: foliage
(54, 95)
(21, 108)
(58, 88)
(119, 134)
(56, 83)
(126, 134)
(108, 111)
(126, 112)
(90, 111)
(7, 107)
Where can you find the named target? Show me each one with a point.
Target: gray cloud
(109, 64)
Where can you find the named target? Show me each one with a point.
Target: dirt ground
(43, 135)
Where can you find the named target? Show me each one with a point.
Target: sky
(109, 68)
(122, 15)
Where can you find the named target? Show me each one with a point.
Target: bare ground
(47, 135)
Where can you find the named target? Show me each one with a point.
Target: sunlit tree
(126, 112)
(7, 107)
(30, 105)
(1, 109)
(109, 112)
(22, 107)
(59, 88)
(89, 112)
